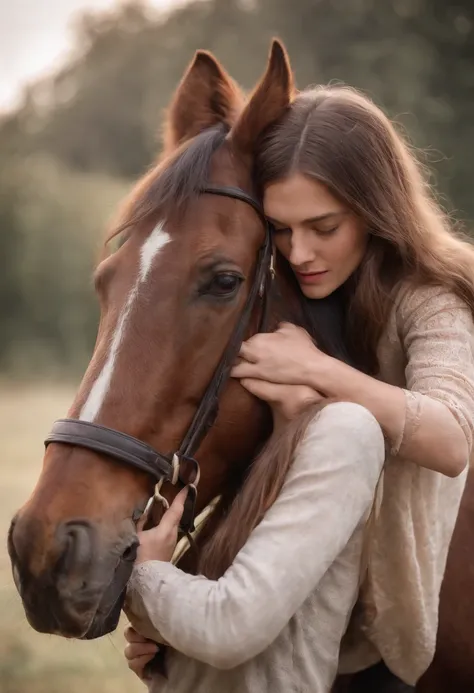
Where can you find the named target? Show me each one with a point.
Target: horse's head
(171, 299)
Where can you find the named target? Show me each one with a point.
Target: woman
(354, 218)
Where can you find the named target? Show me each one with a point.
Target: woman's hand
(159, 543)
(138, 651)
(275, 368)
(286, 401)
(286, 356)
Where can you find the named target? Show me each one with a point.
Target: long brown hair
(339, 137)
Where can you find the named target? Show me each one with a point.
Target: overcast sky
(35, 34)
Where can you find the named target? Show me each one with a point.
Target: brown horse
(190, 280)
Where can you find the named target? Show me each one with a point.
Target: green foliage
(97, 120)
(51, 231)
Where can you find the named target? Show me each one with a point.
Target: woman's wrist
(385, 401)
(324, 374)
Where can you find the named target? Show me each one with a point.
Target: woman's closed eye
(280, 230)
(326, 232)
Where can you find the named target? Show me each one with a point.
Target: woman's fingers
(131, 635)
(245, 369)
(288, 328)
(159, 543)
(241, 370)
(269, 392)
(143, 520)
(172, 517)
(138, 665)
(247, 351)
(137, 650)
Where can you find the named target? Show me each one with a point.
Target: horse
(194, 273)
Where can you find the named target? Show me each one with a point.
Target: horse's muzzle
(79, 591)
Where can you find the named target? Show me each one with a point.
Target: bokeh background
(83, 87)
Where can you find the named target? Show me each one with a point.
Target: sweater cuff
(150, 575)
(143, 591)
(410, 424)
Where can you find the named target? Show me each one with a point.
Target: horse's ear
(268, 102)
(206, 96)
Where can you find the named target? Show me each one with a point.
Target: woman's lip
(311, 277)
(310, 274)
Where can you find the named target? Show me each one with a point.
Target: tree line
(81, 136)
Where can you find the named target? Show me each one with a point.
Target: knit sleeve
(437, 332)
(226, 622)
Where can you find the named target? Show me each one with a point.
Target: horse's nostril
(130, 552)
(77, 548)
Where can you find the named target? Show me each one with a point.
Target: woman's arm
(430, 422)
(328, 493)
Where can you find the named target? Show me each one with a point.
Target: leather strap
(116, 444)
(130, 450)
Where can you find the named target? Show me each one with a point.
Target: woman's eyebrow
(310, 220)
(322, 217)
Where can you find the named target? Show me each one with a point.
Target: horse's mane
(172, 184)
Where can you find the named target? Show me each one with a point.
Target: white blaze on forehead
(149, 250)
(157, 239)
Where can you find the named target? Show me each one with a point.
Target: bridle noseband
(181, 467)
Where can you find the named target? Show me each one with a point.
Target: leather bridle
(181, 467)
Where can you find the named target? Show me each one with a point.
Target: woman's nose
(301, 252)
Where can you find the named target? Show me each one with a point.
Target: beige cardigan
(427, 349)
(274, 622)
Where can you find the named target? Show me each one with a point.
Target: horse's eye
(224, 284)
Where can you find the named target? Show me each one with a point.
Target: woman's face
(323, 241)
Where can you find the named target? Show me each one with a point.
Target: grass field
(30, 662)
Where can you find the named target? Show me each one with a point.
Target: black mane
(170, 187)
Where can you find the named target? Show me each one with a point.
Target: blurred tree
(99, 118)
(102, 110)
(51, 232)
(12, 300)
(447, 29)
